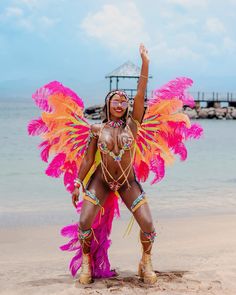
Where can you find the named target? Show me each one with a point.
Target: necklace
(115, 124)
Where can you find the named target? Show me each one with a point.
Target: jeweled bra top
(127, 143)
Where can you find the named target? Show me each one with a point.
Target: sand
(194, 255)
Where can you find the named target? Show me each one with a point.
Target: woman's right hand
(75, 196)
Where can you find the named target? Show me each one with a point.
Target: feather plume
(142, 171)
(37, 127)
(157, 166)
(73, 245)
(54, 168)
(45, 147)
(70, 231)
(70, 175)
(175, 89)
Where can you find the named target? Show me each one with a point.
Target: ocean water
(204, 184)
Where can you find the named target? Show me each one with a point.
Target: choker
(116, 124)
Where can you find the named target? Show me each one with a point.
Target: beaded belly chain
(115, 184)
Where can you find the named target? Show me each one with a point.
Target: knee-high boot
(145, 270)
(85, 237)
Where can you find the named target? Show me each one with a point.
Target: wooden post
(110, 83)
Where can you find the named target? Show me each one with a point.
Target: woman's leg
(136, 202)
(95, 196)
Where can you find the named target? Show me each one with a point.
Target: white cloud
(214, 25)
(47, 22)
(26, 24)
(174, 54)
(229, 45)
(27, 19)
(31, 4)
(116, 26)
(190, 3)
(13, 11)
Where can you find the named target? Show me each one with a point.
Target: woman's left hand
(143, 52)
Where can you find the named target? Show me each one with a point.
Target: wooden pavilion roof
(127, 70)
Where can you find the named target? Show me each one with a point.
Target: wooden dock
(202, 98)
(214, 99)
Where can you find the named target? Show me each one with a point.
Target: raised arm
(138, 107)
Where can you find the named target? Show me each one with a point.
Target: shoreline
(44, 218)
(199, 113)
(191, 255)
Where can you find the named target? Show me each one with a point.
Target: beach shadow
(131, 280)
(166, 281)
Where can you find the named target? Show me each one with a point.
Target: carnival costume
(66, 135)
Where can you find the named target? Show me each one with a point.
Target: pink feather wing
(164, 129)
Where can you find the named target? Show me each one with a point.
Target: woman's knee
(144, 219)
(147, 224)
(85, 222)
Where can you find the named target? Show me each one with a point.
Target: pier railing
(200, 96)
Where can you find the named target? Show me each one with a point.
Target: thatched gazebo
(126, 71)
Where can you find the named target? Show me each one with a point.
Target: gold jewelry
(144, 76)
(78, 184)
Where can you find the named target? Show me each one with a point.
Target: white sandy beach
(194, 255)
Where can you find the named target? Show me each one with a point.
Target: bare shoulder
(95, 128)
(133, 124)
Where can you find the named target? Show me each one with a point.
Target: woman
(115, 139)
(107, 160)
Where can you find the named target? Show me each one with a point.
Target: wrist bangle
(144, 76)
(78, 183)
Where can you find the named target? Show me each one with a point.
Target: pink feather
(99, 251)
(181, 150)
(45, 147)
(195, 131)
(157, 166)
(142, 171)
(40, 98)
(76, 262)
(53, 169)
(37, 127)
(175, 89)
(70, 231)
(56, 87)
(73, 245)
(70, 175)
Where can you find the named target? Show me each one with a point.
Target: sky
(78, 42)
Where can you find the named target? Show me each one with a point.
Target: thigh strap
(139, 201)
(94, 200)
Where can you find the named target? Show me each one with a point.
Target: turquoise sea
(204, 184)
